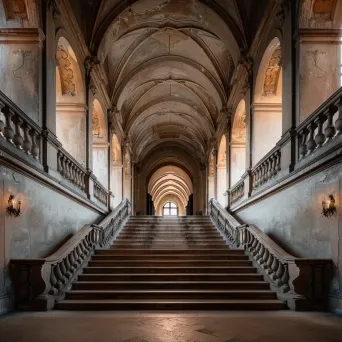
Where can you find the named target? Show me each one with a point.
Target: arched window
(170, 209)
(267, 108)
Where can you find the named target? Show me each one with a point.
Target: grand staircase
(170, 263)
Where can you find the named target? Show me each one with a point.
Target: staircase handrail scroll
(302, 282)
(39, 283)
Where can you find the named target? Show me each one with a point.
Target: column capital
(90, 62)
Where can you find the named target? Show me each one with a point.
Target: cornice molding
(22, 36)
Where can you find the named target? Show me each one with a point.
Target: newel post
(308, 281)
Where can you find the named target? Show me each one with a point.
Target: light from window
(170, 209)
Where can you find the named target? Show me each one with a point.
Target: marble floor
(65, 326)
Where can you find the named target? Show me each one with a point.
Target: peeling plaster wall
(47, 219)
(293, 219)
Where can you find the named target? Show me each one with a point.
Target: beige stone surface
(171, 327)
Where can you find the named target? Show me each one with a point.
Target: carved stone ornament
(15, 9)
(96, 124)
(66, 73)
(53, 8)
(90, 62)
(323, 9)
(247, 62)
(93, 89)
(239, 128)
(211, 166)
(272, 73)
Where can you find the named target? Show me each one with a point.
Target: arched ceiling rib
(170, 65)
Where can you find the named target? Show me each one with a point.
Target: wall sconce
(13, 207)
(329, 207)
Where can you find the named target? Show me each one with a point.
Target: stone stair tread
(171, 274)
(172, 282)
(218, 301)
(154, 291)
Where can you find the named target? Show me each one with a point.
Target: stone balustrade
(71, 170)
(100, 192)
(18, 129)
(237, 191)
(267, 168)
(322, 126)
(39, 283)
(301, 282)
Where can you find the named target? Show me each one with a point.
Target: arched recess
(174, 199)
(238, 144)
(211, 177)
(70, 102)
(116, 170)
(127, 166)
(222, 172)
(267, 109)
(100, 144)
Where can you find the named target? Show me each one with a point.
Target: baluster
(272, 166)
(2, 124)
(35, 147)
(320, 137)
(72, 261)
(285, 278)
(269, 263)
(53, 282)
(59, 163)
(278, 165)
(330, 130)
(8, 131)
(17, 139)
(274, 268)
(78, 178)
(265, 258)
(67, 266)
(312, 143)
(338, 122)
(303, 147)
(59, 276)
(27, 145)
(280, 273)
(257, 249)
(261, 254)
(67, 169)
(63, 270)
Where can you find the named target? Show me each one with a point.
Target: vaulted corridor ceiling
(169, 67)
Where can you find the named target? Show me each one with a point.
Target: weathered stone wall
(48, 218)
(293, 218)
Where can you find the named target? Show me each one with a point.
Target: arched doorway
(267, 109)
(170, 209)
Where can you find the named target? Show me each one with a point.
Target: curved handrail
(39, 283)
(301, 282)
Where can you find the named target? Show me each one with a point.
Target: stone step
(168, 263)
(194, 269)
(169, 241)
(170, 294)
(170, 277)
(145, 251)
(223, 305)
(175, 246)
(168, 285)
(172, 257)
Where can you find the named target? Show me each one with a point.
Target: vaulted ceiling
(169, 64)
